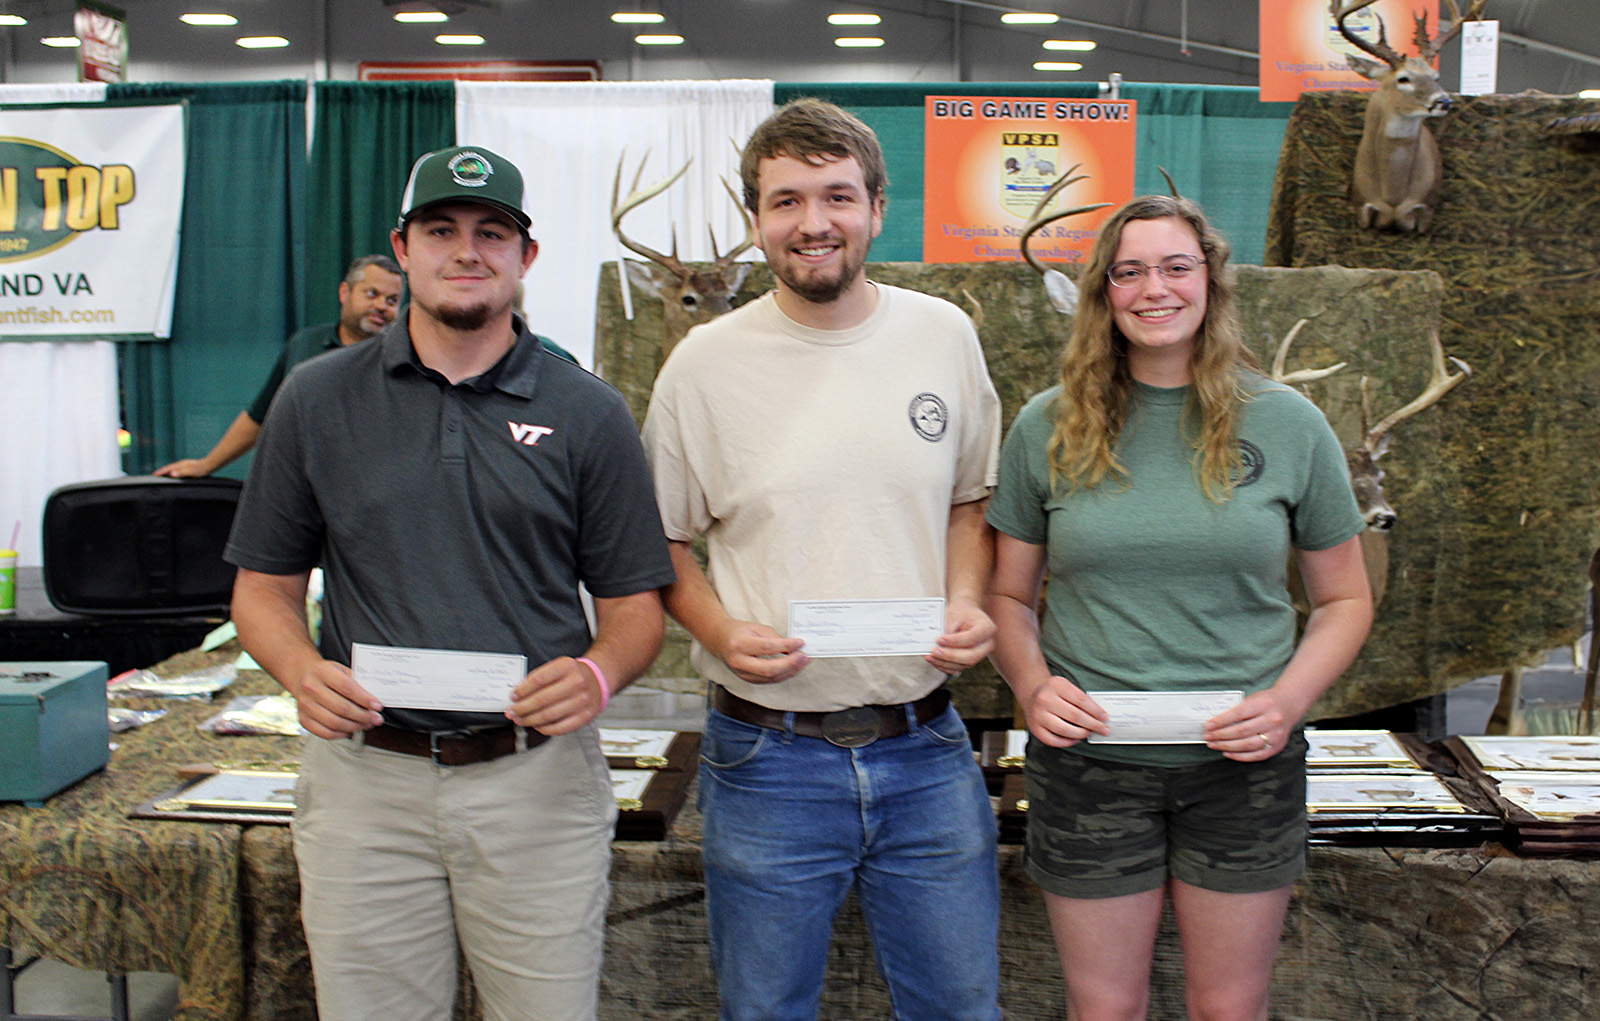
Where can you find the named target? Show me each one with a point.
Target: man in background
(369, 296)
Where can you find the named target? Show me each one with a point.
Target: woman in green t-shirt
(1164, 484)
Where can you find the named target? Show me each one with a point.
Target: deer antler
(1440, 382)
(1381, 49)
(1041, 219)
(1430, 49)
(1171, 186)
(1063, 294)
(749, 228)
(637, 198)
(1295, 378)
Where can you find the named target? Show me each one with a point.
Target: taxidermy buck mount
(1366, 477)
(1398, 171)
(688, 297)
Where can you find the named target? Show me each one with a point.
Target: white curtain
(58, 399)
(566, 137)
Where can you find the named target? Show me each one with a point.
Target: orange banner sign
(989, 160)
(1302, 50)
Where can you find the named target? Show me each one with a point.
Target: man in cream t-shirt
(833, 440)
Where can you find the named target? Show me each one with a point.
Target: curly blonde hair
(1096, 384)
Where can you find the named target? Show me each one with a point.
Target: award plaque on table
(1546, 788)
(647, 799)
(247, 796)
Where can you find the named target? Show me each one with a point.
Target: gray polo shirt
(451, 516)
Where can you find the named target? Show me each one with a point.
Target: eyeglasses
(1175, 268)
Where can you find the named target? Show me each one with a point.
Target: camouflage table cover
(82, 883)
(1373, 934)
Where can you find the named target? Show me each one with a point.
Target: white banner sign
(91, 198)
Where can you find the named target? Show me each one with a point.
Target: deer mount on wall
(689, 297)
(1361, 459)
(1398, 171)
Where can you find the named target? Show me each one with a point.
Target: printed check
(437, 678)
(866, 627)
(1161, 717)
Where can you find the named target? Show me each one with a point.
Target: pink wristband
(600, 679)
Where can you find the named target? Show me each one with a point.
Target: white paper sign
(1161, 717)
(867, 627)
(91, 200)
(1480, 57)
(478, 682)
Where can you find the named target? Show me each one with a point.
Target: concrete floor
(49, 988)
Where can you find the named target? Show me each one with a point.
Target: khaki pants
(398, 856)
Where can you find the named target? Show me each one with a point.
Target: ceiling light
(420, 17)
(1056, 65)
(12, 19)
(1029, 18)
(658, 40)
(1589, 94)
(853, 19)
(638, 18)
(262, 42)
(458, 40)
(1080, 45)
(858, 42)
(208, 19)
(61, 41)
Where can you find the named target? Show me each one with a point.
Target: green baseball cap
(464, 173)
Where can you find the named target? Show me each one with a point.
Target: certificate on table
(866, 627)
(437, 678)
(1160, 717)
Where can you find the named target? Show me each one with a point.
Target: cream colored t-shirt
(823, 465)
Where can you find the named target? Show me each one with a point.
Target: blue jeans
(792, 823)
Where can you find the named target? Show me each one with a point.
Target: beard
(466, 318)
(818, 288)
(356, 326)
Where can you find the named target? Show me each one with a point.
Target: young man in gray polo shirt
(455, 483)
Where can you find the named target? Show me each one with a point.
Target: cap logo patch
(469, 169)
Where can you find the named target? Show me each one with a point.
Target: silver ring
(1265, 744)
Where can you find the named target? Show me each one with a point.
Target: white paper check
(437, 678)
(1161, 717)
(866, 627)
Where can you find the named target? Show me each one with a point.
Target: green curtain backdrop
(239, 267)
(269, 226)
(1220, 143)
(367, 136)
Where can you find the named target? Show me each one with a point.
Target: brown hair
(814, 131)
(1097, 384)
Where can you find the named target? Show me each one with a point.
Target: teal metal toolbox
(53, 727)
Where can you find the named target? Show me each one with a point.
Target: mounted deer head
(688, 297)
(1366, 478)
(1057, 285)
(1398, 171)
(1365, 475)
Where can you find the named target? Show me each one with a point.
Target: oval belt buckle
(852, 728)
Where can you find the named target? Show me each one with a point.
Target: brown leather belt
(847, 728)
(462, 749)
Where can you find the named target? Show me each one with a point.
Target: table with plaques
(1373, 932)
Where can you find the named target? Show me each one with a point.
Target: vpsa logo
(47, 197)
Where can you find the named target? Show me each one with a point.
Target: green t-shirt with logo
(1151, 585)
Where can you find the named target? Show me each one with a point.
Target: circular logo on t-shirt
(929, 417)
(1251, 463)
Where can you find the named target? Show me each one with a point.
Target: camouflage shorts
(1098, 828)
